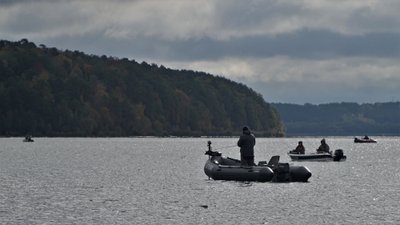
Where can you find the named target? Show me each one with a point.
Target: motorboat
(219, 167)
(364, 140)
(28, 139)
(338, 155)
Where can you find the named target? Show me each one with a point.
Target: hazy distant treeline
(341, 118)
(48, 92)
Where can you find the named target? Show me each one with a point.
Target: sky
(289, 51)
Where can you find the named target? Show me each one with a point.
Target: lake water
(161, 181)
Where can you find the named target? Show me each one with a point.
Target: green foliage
(47, 92)
(341, 118)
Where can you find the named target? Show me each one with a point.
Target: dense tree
(48, 92)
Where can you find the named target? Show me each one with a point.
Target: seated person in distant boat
(28, 138)
(246, 143)
(366, 137)
(324, 147)
(299, 149)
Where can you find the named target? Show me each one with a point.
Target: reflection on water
(161, 181)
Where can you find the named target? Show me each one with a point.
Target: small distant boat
(364, 140)
(28, 139)
(325, 156)
(218, 167)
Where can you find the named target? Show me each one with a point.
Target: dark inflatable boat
(218, 167)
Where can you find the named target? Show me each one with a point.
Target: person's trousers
(247, 160)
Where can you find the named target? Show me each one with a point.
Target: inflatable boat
(325, 156)
(218, 167)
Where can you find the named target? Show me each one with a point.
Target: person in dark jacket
(299, 149)
(324, 147)
(246, 143)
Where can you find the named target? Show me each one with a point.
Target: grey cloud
(217, 20)
(302, 44)
(310, 92)
(16, 2)
(382, 18)
(242, 14)
(13, 2)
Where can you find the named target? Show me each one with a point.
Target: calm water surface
(161, 181)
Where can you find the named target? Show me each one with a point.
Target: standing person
(324, 147)
(246, 143)
(299, 149)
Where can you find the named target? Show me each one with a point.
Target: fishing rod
(231, 146)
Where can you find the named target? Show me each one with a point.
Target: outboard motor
(338, 155)
(210, 152)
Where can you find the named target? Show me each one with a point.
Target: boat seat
(230, 161)
(262, 163)
(274, 161)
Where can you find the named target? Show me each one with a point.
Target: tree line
(341, 119)
(49, 92)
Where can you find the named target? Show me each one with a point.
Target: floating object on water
(28, 139)
(364, 140)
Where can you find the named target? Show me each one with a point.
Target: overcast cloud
(315, 51)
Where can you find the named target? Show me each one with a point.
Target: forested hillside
(49, 92)
(341, 118)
